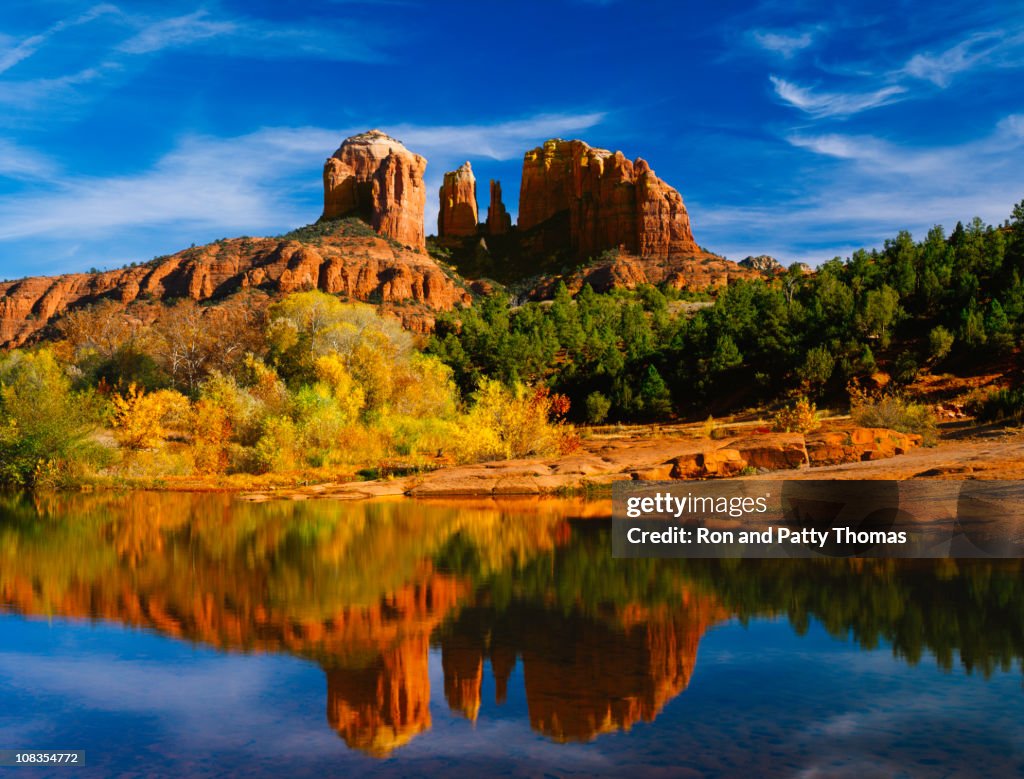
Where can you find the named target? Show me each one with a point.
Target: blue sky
(801, 130)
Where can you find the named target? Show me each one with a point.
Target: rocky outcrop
(374, 176)
(347, 261)
(763, 263)
(457, 217)
(590, 200)
(499, 221)
(858, 445)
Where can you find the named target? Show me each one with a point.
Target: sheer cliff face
(374, 176)
(590, 200)
(457, 216)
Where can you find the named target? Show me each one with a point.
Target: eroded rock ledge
(605, 462)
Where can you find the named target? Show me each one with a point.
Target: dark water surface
(196, 635)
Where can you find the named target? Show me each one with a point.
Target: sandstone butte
(374, 176)
(457, 216)
(574, 198)
(611, 203)
(624, 224)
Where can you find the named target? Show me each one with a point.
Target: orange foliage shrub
(143, 421)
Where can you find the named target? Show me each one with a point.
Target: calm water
(195, 635)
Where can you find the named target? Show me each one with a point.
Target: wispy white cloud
(224, 35)
(19, 162)
(821, 104)
(14, 53)
(46, 92)
(871, 187)
(880, 156)
(784, 44)
(177, 31)
(978, 51)
(246, 36)
(498, 141)
(940, 68)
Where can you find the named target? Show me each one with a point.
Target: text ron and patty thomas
(804, 536)
(737, 506)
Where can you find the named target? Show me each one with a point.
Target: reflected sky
(763, 701)
(195, 635)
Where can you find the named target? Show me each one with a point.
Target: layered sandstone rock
(361, 267)
(591, 199)
(499, 221)
(859, 444)
(457, 217)
(375, 177)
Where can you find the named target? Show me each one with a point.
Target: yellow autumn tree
(211, 437)
(144, 420)
(506, 423)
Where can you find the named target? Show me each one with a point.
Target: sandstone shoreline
(662, 454)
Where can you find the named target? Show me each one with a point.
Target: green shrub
(940, 341)
(598, 407)
(45, 426)
(896, 413)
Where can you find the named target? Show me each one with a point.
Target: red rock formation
(349, 173)
(609, 203)
(363, 267)
(503, 662)
(458, 215)
(663, 226)
(376, 177)
(499, 221)
(378, 707)
(462, 659)
(577, 693)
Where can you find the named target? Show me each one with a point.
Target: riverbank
(839, 450)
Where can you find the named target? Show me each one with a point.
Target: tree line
(955, 300)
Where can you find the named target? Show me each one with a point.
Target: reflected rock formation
(584, 674)
(607, 680)
(383, 705)
(369, 590)
(462, 659)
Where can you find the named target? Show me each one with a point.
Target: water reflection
(367, 589)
